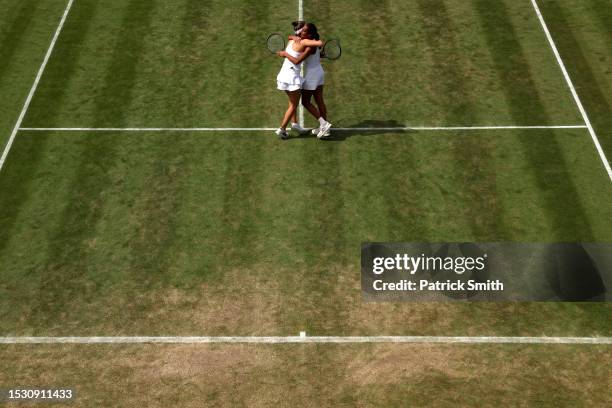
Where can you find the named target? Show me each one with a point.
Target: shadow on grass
(367, 127)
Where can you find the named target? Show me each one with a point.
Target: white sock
(322, 121)
(294, 124)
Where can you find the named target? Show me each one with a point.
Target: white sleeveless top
(290, 72)
(313, 62)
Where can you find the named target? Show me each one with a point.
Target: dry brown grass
(316, 375)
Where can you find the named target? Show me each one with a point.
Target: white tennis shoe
(298, 128)
(282, 133)
(324, 130)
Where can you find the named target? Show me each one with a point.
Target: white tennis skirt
(289, 81)
(284, 86)
(314, 79)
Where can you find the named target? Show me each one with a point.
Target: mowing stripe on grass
(41, 70)
(302, 338)
(12, 38)
(602, 155)
(347, 129)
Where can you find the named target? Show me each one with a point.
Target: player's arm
(307, 52)
(306, 42)
(312, 43)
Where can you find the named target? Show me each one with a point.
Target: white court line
(300, 10)
(346, 129)
(459, 128)
(41, 70)
(146, 129)
(300, 107)
(602, 155)
(302, 338)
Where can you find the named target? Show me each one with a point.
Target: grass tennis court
(235, 233)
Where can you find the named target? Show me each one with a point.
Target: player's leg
(325, 129)
(314, 80)
(294, 100)
(295, 125)
(294, 118)
(306, 102)
(318, 95)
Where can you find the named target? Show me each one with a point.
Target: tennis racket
(331, 49)
(276, 43)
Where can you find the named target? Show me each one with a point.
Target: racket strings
(332, 49)
(276, 43)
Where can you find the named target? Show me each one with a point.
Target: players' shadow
(363, 128)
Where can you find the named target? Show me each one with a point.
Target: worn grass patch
(320, 375)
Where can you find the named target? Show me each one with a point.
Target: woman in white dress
(289, 78)
(312, 85)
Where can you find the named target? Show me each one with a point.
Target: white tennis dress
(315, 76)
(289, 78)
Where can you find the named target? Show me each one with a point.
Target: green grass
(581, 32)
(218, 215)
(26, 28)
(171, 63)
(242, 234)
(443, 63)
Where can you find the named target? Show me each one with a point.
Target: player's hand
(282, 54)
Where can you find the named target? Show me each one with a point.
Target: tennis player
(314, 79)
(298, 26)
(289, 79)
(313, 82)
